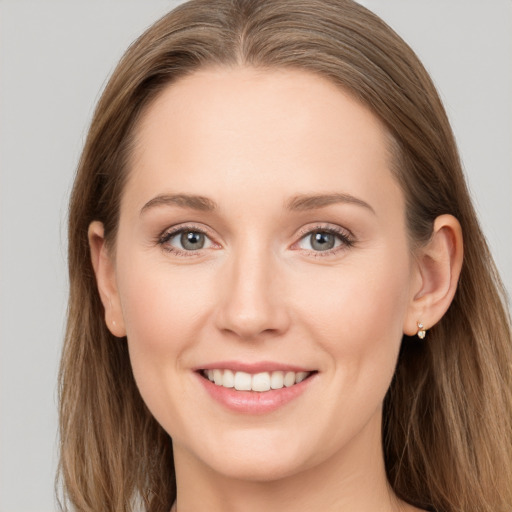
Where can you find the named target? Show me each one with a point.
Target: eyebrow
(303, 202)
(306, 202)
(200, 203)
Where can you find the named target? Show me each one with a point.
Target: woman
(267, 267)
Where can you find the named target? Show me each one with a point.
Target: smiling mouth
(259, 382)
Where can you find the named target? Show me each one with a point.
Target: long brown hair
(447, 429)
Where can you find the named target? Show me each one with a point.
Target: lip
(255, 367)
(254, 402)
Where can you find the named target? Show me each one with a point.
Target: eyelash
(169, 235)
(345, 236)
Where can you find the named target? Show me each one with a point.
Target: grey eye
(322, 240)
(192, 240)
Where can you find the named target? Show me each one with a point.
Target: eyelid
(172, 231)
(321, 226)
(346, 236)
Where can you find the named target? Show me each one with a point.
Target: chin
(260, 459)
(261, 469)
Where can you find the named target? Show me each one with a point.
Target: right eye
(185, 240)
(321, 240)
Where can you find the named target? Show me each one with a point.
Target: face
(262, 245)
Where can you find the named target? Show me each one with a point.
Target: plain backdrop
(54, 60)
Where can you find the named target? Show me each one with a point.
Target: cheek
(161, 305)
(163, 312)
(357, 310)
(358, 324)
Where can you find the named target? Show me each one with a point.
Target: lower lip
(254, 402)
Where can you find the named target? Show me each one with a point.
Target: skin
(251, 141)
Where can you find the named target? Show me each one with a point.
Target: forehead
(246, 128)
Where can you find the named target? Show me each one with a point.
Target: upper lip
(253, 367)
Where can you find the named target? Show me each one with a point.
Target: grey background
(54, 60)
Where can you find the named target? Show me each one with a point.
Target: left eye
(188, 240)
(321, 240)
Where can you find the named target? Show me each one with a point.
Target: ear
(104, 270)
(438, 266)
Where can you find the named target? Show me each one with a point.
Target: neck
(352, 479)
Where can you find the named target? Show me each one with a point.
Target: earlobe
(104, 271)
(438, 264)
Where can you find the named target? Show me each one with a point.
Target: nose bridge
(252, 303)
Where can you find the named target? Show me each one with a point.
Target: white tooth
(228, 379)
(289, 379)
(243, 381)
(277, 380)
(210, 375)
(217, 377)
(261, 381)
(300, 376)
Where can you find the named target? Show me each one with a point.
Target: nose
(253, 301)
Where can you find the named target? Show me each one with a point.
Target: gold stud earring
(421, 331)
